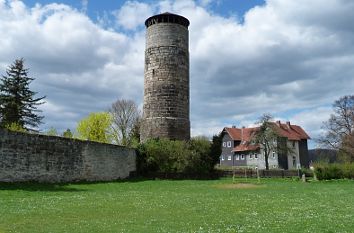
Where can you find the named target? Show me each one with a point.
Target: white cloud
(285, 55)
(133, 14)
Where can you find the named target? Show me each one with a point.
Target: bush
(326, 171)
(15, 127)
(167, 156)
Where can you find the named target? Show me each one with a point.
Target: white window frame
(224, 144)
(222, 158)
(229, 157)
(229, 144)
(242, 157)
(237, 157)
(273, 154)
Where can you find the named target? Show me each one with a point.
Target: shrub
(161, 155)
(326, 171)
(15, 127)
(168, 156)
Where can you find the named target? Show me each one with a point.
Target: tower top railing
(167, 18)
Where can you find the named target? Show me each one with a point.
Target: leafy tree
(125, 121)
(199, 160)
(215, 149)
(95, 127)
(17, 102)
(340, 128)
(269, 139)
(67, 134)
(134, 135)
(163, 155)
(52, 132)
(15, 127)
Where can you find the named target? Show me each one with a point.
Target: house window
(242, 157)
(294, 161)
(224, 144)
(229, 157)
(222, 157)
(273, 154)
(256, 156)
(237, 157)
(229, 144)
(251, 156)
(293, 144)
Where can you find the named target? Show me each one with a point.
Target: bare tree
(269, 139)
(266, 137)
(125, 116)
(340, 128)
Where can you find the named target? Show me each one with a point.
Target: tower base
(165, 127)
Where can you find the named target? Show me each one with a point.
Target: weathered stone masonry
(32, 157)
(166, 83)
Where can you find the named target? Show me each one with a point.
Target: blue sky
(96, 8)
(292, 59)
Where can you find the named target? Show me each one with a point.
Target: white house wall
(260, 162)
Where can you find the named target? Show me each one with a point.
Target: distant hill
(327, 155)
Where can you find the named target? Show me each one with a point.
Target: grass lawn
(276, 205)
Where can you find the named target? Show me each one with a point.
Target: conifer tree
(17, 102)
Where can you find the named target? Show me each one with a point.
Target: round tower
(166, 78)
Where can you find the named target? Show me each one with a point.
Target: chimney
(242, 133)
(288, 124)
(234, 126)
(278, 123)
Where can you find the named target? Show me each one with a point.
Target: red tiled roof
(244, 135)
(245, 147)
(292, 132)
(237, 134)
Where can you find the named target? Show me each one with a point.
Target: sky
(291, 59)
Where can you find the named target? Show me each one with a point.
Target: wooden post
(233, 174)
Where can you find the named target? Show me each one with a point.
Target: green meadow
(273, 205)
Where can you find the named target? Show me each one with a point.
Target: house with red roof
(239, 150)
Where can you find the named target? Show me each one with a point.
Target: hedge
(327, 171)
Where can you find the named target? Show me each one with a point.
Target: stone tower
(166, 78)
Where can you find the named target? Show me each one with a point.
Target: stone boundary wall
(40, 158)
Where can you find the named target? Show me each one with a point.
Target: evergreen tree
(17, 102)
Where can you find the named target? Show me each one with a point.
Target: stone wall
(33, 157)
(166, 83)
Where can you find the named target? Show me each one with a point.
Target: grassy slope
(178, 206)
